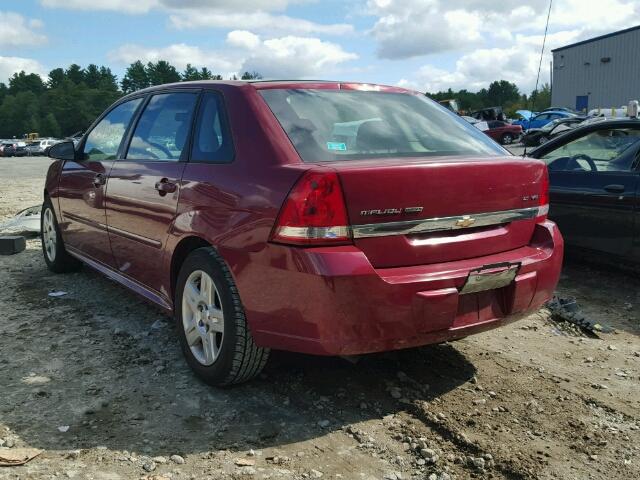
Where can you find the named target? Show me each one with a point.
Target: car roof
(563, 112)
(276, 84)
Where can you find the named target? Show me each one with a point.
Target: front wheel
(211, 322)
(55, 255)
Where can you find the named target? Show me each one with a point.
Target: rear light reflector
(543, 209)
(314, 213)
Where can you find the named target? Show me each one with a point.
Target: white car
(41, 146)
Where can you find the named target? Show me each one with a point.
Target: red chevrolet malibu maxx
(320, 217)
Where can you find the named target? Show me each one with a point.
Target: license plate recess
(490, 277)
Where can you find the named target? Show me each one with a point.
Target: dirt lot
(95, 378)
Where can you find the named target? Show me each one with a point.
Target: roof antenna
(544, 41)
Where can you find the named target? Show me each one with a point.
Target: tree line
(70, 99)
(500, 93)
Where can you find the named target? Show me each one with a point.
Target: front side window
(104, 140)
(212, 138)
(599, 151)
(163, 129)
(331, 124)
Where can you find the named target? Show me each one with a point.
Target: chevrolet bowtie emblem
(465, 222)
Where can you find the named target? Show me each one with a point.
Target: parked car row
(20, 148)
(12, 148)
(41, 146)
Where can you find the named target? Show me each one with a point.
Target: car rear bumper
(331, 301)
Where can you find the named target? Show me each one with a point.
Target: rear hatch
(414, 212)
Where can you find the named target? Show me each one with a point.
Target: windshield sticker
(339, 146)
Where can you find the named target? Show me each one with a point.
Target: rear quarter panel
(234, 206)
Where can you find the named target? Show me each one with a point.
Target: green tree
(56, 77)
(4, 91)
(49, 126)
(135, 78)
(190, 73)
(26, 82)
(75, 73)
(162, 72)
(501, 93)
(92, 76)
(207, 74)
(541, 99)
(251, 76)
(108, 81)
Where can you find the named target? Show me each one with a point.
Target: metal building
(601, 72)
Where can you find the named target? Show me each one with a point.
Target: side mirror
(63, 151)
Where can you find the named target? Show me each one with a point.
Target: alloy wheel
(49, 236)
(202, 317)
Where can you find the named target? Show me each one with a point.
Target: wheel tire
(238, 358)
(507, 139)
(55, 255)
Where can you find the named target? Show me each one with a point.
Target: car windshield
(330, 125)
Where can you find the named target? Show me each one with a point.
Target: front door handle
(614, 188)
(99, 180)
(164, 186)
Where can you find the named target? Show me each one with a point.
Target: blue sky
(423, 44)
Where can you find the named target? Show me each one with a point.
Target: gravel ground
(95, 378)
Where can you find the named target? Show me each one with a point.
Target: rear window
(331, 125)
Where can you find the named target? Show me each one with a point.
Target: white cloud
(143, 6)
(177, 54)
(256, 20)
(494, 41)
(281, 57)
(295, 57)
(11, 65)
(125, 6)
(17, 31)
(231, 14)
(244, 5)
(243, 39)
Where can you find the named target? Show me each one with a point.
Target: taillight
(543, 209)
(314, 213)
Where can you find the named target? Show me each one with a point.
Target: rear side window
(104, 140)
(163, 129)
(212, 139)
(334, 124)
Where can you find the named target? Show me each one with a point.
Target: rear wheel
(55, 255)
(210, 319)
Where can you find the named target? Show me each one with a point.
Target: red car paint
(372, 294)
(500, 129)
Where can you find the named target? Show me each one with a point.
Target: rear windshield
(330, 125)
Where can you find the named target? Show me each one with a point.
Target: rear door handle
(164, 186)
(614, 188)
(99, 180)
